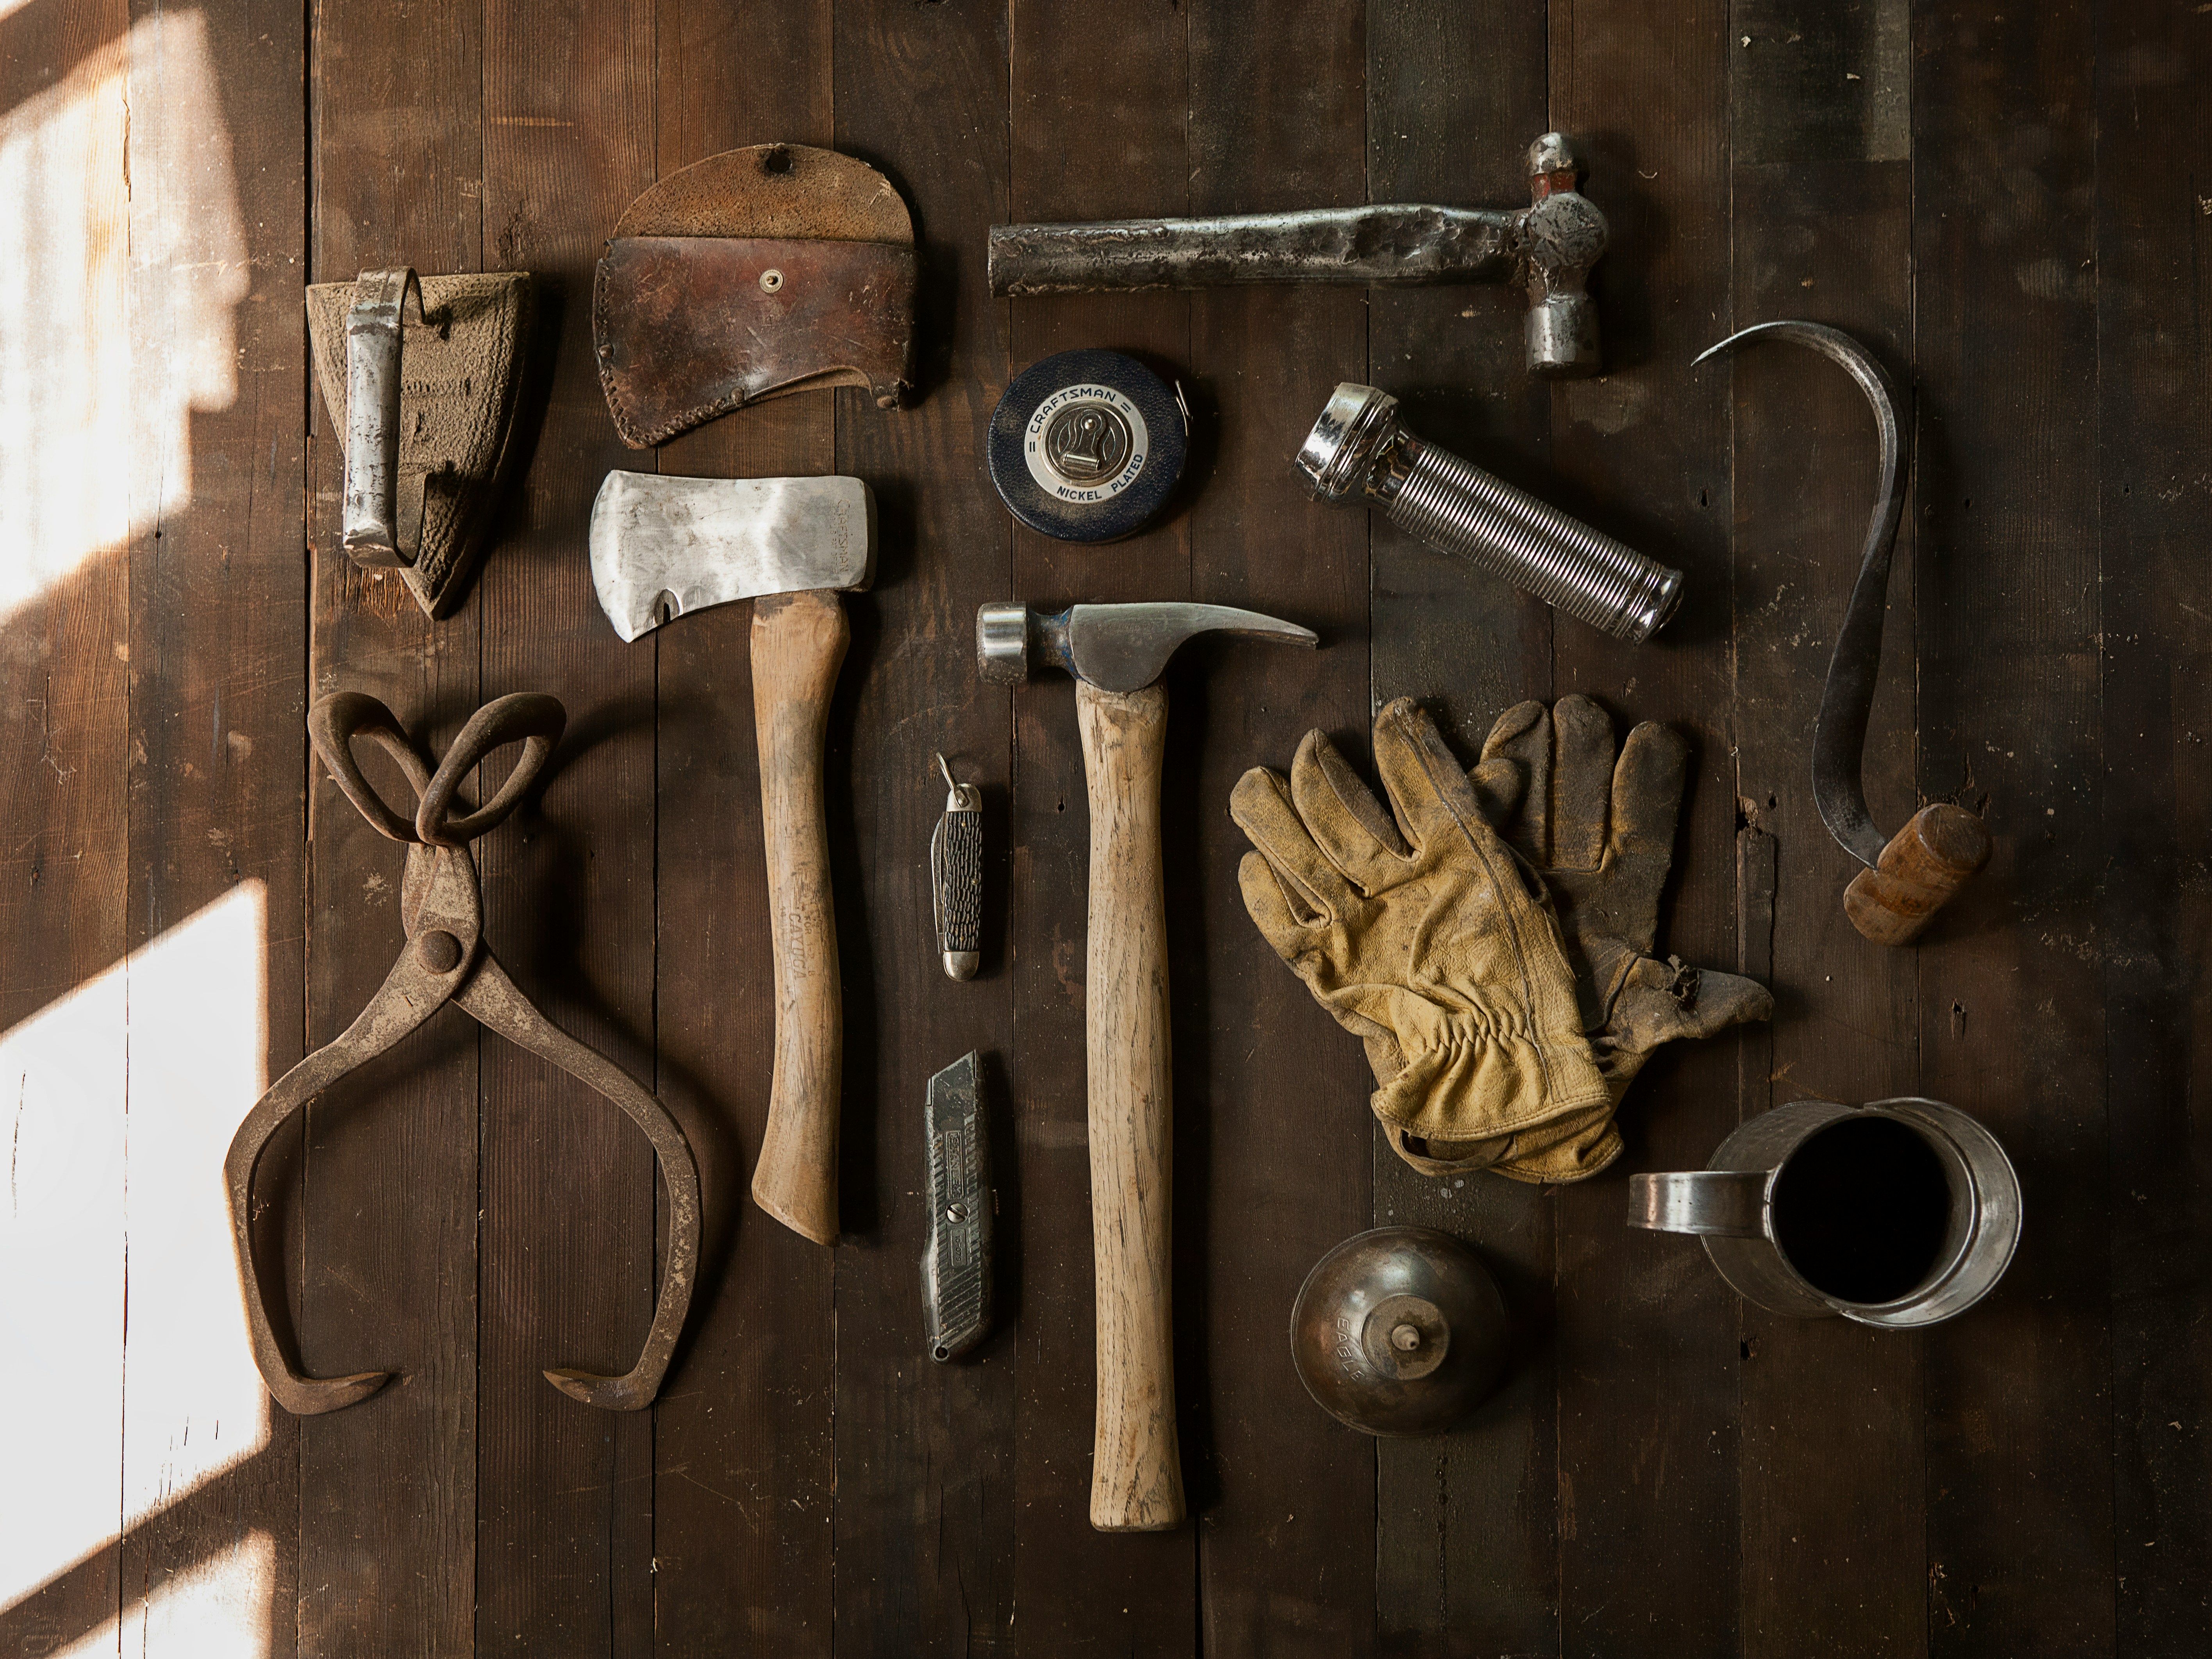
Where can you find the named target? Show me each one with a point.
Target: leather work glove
(1601, 832)
(1426, 937)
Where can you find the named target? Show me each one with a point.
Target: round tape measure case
(1086, 445)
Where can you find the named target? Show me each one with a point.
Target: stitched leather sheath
(688, 329)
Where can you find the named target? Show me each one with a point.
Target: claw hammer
(1116, 652)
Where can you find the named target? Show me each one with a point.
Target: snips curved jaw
(445, 924)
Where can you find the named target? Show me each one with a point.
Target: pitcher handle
(1730, 1203)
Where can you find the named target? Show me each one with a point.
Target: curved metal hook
(1847, 699)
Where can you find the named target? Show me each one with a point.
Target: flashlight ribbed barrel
(1456, 507)
(1357, 450)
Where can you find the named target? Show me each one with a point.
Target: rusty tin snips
(445, 960)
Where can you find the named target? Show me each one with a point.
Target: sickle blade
(1847, 700)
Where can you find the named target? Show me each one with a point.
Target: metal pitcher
(1899, 1212)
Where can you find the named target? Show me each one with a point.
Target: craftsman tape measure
(1086, 445)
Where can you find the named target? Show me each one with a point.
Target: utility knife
(956, 1266)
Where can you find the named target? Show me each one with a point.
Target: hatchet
(662, 547)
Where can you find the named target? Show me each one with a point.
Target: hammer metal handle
(1389, 245)
(798, 641)
(1136, 1470)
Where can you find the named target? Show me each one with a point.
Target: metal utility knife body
(956, 877)
(956, 1266)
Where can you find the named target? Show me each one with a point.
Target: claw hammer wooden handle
(1136, 1470)
(798, 641)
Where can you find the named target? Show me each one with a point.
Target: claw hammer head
(1115, 648)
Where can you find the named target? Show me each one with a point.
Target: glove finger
(1581, 783)
(1725, 999)
(1260, 804)
(1282, 919)
(1647, 801)
(1429, 789)
(1647, 791)
(1523, 738)
(1344, 818)
(1662, 1002)
(1497, 785)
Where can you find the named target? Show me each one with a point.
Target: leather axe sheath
(756, 272)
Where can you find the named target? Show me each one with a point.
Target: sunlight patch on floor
(127, 254)
(121, 1100)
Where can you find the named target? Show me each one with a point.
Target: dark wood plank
(65, 773)
(926, 1515)
(570, 1213)
(393, 1192)
(1079, 1591)
(1269, 1134)
(217, 649)
(741, 1453)
(1467, 1555)
(1648, 1354)
(1832, 1524)
(2151, 325)
(2019, 1426)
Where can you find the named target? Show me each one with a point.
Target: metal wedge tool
(1358, 453)
(1548, 248)
(663, 547)
(445, 960)
(956, 877)
(1116, 654)
(424, 397)
(1915, 872)
(955, 1265)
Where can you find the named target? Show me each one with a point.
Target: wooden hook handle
(798, 641)
(1925, 864)
(1136, 1470)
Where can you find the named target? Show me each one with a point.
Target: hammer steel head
(1116, 647)
(662, 547)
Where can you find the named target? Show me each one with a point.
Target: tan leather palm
(1425, 936)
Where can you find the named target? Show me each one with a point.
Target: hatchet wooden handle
(798, 641)
(1136, 1471)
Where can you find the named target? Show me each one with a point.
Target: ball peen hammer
(662, 547)
(1547, 247)
(1116, 654)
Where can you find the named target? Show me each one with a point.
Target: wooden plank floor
(2012, 205)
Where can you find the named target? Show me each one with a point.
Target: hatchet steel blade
(662, 547)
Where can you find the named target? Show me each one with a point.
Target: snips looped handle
(533, 719)
(333, 723)
(373, 530)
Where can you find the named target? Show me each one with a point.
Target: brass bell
(1399, 1331)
